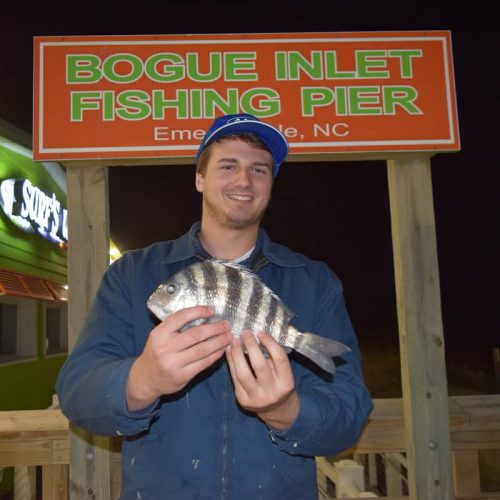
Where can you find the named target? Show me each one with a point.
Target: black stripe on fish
(284, 329)
(211, 280)
(254, 305)
(272, 311)
(234, 291)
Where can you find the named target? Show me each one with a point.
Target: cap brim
(271, 136)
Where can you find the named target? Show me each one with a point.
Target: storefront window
(17, 329)
(8, 330)
(56, 326)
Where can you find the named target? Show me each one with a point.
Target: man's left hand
(263, 385)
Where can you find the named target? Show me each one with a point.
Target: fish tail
(320, 349)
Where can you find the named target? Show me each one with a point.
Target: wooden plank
(423, 368)
(385, 427)
(381, 434)
(466, 472)
(483, 410)
(475, 440)
(55, 482)
(26, 452)
(33, 420)
(88, 257)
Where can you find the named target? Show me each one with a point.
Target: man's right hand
(171, 359)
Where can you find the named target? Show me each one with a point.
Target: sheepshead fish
(240, 296)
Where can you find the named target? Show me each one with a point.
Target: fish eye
(171, 289)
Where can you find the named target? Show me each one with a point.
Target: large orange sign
(154, 96)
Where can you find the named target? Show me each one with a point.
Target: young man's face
(237, 184)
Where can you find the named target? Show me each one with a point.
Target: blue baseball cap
(246, 123)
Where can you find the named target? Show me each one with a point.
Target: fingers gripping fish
(240, 296)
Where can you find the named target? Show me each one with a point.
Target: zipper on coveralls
(224, 419)
(225, 431)
(259, 264)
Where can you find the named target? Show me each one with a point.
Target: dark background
(337, 212)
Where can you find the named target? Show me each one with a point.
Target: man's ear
(199, 182)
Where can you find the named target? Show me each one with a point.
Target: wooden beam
(423, 369)
(88, 257)
(88, 233)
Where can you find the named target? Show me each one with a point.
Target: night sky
(337, 212)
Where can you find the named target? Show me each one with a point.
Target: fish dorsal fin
(251, 275)
(234, 265)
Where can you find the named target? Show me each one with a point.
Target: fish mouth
(160, 313)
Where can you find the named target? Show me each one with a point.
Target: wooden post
(88, 257)
(423, 368)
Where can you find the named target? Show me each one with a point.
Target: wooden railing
(41, 438)
(474, 426)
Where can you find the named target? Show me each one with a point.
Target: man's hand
(170, 359)
(264, 385)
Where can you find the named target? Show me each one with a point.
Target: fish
(237, 294)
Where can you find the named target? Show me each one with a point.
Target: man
(200, 418)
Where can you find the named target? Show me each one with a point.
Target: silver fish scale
(240, 296)
(236, 292)
(252, 306)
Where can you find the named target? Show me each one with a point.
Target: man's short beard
(233, 223)
(243, 224)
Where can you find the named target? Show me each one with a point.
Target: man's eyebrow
(231, 160)
(254, 164)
